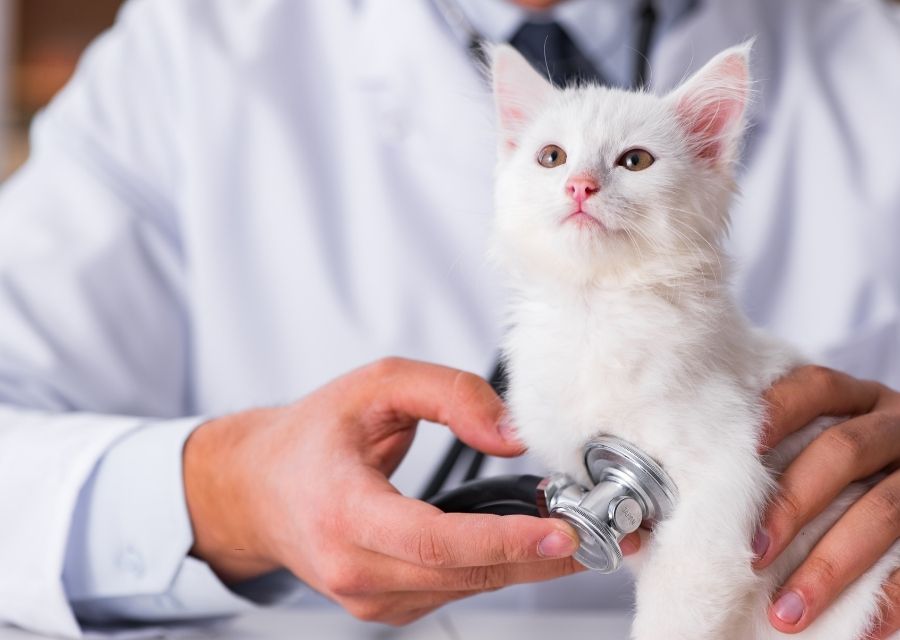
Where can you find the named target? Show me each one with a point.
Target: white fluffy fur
(632, 331)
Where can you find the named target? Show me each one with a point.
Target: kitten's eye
(635, 159)
(551, 156)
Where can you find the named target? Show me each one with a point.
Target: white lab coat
(237, 201)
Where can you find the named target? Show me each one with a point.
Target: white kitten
(611, 208)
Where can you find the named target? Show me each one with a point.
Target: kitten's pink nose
(581, 188)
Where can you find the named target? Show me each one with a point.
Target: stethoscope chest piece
(630, 491)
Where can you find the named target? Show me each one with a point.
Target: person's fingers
(846, 452)
(423, 535)
(370, 573)
(809, 392)
(889, 615)
(402, 607)
(491, 577)
(461, 400)
(630, 544)
(851, 547)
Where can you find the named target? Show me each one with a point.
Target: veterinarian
(236, 210)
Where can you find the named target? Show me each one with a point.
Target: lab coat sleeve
(127, 555)
(93, 288)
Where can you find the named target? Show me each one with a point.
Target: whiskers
(703, 258)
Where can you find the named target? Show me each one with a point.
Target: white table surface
(300, 624)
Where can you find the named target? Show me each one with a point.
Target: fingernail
(508, 431)
(629, 546)
(761, 542)
(557, 545)
(789, 608)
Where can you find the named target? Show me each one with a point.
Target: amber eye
(636, 159)
(551, 156)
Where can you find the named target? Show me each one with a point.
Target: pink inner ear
(711, 113)
(512, 119)
(512, 115)
(709, 124)
(519, 93)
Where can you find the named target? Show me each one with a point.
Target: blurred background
(40, 41)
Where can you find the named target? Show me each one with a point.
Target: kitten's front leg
(696, 582)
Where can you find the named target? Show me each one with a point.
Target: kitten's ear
(519, 92)
(712, 103)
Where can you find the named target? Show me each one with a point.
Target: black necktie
(549, 49)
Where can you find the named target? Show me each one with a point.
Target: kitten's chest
(611, 344)
(577, 371)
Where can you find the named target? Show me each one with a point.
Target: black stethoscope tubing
(459, 449)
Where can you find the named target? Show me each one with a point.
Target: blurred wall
(40, 42)
(7, 44)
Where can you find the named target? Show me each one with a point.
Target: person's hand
(305, 487)
(864, 444)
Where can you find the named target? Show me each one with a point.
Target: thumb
(463, 401)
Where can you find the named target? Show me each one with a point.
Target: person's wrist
(222, 495)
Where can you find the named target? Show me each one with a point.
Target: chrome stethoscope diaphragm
(630, 490)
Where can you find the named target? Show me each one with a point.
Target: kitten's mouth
(582, 219)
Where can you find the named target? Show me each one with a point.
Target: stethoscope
(628, 490)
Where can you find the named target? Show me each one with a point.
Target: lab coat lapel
(438, 190)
